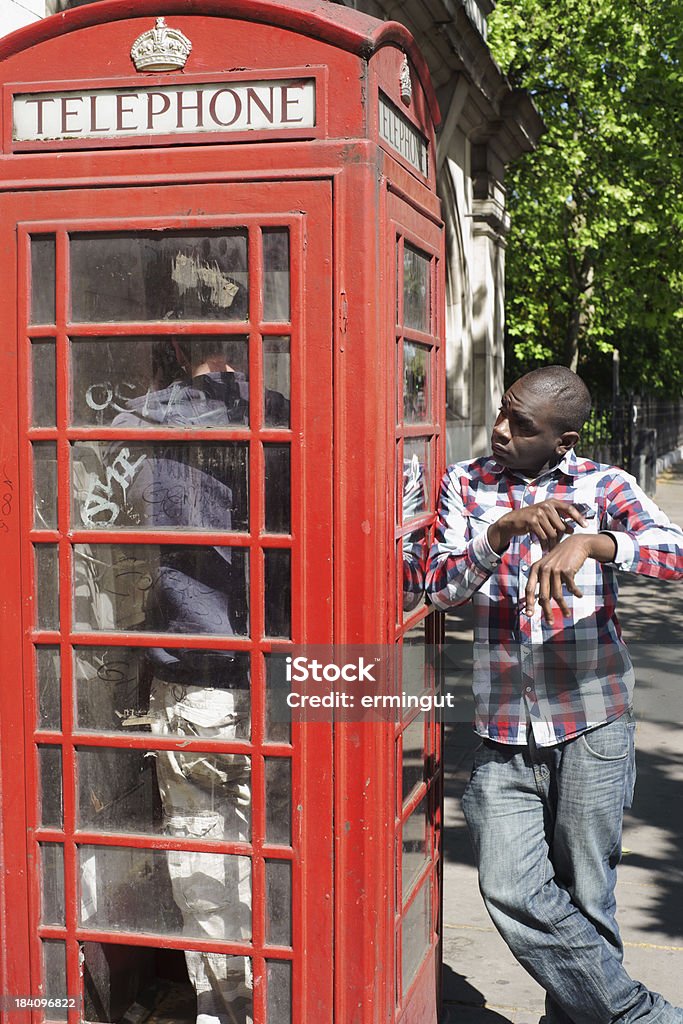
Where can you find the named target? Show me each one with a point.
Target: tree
(595, 257)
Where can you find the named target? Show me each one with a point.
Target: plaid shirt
(569, 676)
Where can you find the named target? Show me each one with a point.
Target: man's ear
(568, 440)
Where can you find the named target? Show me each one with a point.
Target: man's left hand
(557, 568)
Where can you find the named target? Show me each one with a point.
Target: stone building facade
(486, 125)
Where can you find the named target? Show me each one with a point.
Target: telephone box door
(166, 519)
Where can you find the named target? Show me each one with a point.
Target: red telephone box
(222, 384)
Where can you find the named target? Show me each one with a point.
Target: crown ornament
(161, 49)
(406, 84)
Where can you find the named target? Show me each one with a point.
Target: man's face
(525, 435)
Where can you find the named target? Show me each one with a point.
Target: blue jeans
(546, 828)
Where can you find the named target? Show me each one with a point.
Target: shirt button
(528, 689)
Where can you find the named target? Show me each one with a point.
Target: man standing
(533, 536)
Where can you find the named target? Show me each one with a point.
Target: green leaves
(595, 259)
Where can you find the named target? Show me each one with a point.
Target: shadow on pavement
(464, 1004)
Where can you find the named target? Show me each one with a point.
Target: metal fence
(633, 431)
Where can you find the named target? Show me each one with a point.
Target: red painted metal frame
(407, 224)
(309, 242)
(341, 27)
(354, 547)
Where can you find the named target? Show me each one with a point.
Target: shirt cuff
(626, 557)
(483, 554)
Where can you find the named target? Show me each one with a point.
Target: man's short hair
(566, 390)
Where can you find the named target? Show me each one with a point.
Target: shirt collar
(568, 465)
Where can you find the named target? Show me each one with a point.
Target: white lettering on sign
(164, 110)
(400, 134)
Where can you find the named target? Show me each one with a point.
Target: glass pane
(155, 487)
(276, 379)
(52, 877)
(416, 383)
(414, 549)
(54, 975)
(114, 685)
(278, 591)
(417, 476)
(279, 992)
(278, 800)
(43, 279)
(278, 729)
(414, 678)
(44, 401)
(147, 383)
(278, 902)
(49, 688)
(276, 274)
(159, 276)
(165, 892)
(415, 854)
(180, 793)
(278, 489)
(413, 756)
(415, 935)
(131, 984)
(161, 588)
(50, 772)
(47, 586)
(416, 289)
(44, 485)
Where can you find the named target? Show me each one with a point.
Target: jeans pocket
(610, 742)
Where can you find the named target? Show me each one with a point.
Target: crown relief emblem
(405, 81)
(161, 49)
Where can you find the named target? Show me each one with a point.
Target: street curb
(669, 459)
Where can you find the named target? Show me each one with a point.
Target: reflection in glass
(416, 289)
(189, 381)
(278, 902)
(113, 684)
(50, 773)
(276, 378)
(52, 879)
(279, 992)
(43, 279)
(159, 276)
(170, 486)
(278, 591)
(415, 854)
(119, 789)
(44, 485)
(278, 714)
(130, 889)
(414, 660)
(417, 476)
(54, 975)
(416, 935)
(43, 401)
(168, 588)
(413, 756)
(416, 383)
(414, 550)
(275, 274)
(278, 488)
(47, 586)
(49, 696)
(278, 800)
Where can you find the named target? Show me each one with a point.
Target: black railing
(633, 431)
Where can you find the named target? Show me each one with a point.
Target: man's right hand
(548, 522)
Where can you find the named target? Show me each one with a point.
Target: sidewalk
(483, 984)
